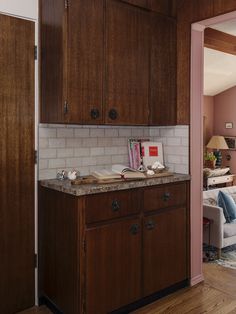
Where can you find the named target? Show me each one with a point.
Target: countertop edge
(88, 189)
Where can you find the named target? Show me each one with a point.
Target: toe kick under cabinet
(113, 251)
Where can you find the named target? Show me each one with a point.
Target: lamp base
(218, 156)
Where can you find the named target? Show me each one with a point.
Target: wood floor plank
(216, 295)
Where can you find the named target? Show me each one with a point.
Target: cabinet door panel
(53, 60)
(163, 71)
(127, 64)
(85, 61)
(165, 250)
(113, 261)
(140, 3)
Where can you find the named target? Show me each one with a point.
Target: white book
(118, 172)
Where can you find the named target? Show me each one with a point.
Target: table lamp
(217, 143)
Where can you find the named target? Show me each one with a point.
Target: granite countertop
(86, 189)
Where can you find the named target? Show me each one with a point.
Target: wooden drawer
(112, 205)
(165, 196)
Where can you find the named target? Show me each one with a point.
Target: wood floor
(217, 295)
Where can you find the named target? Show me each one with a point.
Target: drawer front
(218, 180)
(165, 196)
(112, 205)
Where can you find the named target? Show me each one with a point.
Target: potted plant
(209, 160)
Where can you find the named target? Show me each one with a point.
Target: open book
(118, 172)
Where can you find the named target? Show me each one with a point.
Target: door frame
(36, 126)
(196, 139)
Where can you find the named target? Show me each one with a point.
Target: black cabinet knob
(150, 225)
(134, 229)
(94, 113)
(166, 196)
(115, 205)
(113, 114)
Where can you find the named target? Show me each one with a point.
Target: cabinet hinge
(66, 4)
(35, 260)
(35, 52)
(66, 107)
(35, 157)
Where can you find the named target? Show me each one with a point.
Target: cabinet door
(113, 266)
(164, 249)
(139, 3)
(127, 64)
(163, 71)
(53, 16)
(85, 61)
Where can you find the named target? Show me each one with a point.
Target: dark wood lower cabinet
(114, 260)
(113, 265)
(164, 249)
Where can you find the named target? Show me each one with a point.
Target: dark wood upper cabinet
(127, 64)
(107, 62)
(53, 30)
(85, 61)
(163, 71)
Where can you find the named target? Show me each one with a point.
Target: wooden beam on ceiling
(220, 41)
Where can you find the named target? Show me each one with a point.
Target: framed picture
(228, 125)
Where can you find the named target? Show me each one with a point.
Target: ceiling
(219, 67)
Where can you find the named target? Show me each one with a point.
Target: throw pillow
(229, 207)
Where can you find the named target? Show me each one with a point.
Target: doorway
(17, 164)
(196, 139)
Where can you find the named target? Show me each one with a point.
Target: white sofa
(222, 234)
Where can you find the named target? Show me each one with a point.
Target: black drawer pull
(134, 229)
(115, 205)
(94, 113)
(150, 225)
(113, 114)
(166, 196)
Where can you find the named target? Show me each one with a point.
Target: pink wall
(225, 111)
(208, 113)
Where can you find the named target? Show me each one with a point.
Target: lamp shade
(217, 142)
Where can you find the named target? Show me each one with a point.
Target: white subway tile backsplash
(124, 132)
(173, 141)
(89, 142)
(90, 148)
(56, 163)
(65, 152)
(168, 132)
(73, 162)
(47, 132)
(43, 143)
(65, 132)
(97, 151)
(47, 153)
(182, 132)
(111, 132)
(81, 152)
(73, 142)
(81, 132)
(57, 142)
(97, 133)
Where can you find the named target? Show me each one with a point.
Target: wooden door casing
(113, 260)
(17, 180)
(164, 249)
(127, 64)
